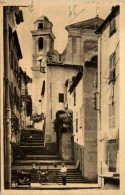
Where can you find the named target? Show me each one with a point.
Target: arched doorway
(64, 130)
(58, 128)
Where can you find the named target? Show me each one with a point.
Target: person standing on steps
(64, 172)
(33, 166)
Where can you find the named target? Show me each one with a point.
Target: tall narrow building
(43, 41)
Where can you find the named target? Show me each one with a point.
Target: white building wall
(56, 78)
(108, 45)
(78, 136)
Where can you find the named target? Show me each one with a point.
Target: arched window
(40, 43)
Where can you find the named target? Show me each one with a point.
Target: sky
(61, 14)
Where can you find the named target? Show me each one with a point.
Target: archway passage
(64, 129)
(58, 127)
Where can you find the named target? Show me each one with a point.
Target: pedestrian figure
(63, 171)
(30, 138)
(33, 166)
(55, 164)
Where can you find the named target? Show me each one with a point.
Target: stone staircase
(36, 145)
(54, 176)
(44, 161)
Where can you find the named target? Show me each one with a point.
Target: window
(112, 115)
(61, 97)
(96, 80)
(12, 59)
(77, 125)
(112, 27)
(112, 62)
(77, 144)
(40, 43)
(74, 95)
(40, 26)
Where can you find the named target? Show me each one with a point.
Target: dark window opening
(11, 59)
(41, 43)
(96, 80)
(61, 97)
(40, 26)
(74, 97)
(112, 115)
(112, 62)
(39, 100)
(77, 125)
(43, 88)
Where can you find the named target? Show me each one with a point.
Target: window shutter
(114, 24)
(114, 59)
(110, 110)
(113, 114)
(110, 115)
(77, 125)
(112, 63)
(112, 27)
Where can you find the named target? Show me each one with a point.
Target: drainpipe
(7, 118)
(99, 111)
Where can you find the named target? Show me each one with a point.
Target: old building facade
(12, 54)
(14, 83)
(82, 48)
(81, 90)
(108, 88)
(50, 73)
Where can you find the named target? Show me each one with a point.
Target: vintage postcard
(62, 97)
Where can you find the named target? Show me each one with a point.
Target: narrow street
(44, 161)
(61, 97)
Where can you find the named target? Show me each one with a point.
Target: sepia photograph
(61, 70)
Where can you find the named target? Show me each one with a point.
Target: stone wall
(90, 125)
(66, 146)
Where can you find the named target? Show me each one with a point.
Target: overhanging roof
(87, 24)
(76, 80)
(108, 19)
(16, 41)
(43, 18)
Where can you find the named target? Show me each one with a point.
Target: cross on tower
(97, 8)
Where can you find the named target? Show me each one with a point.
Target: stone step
(32, 144)
(37, 150)
(41, 157)
(70, 169)
(43, 168)
(41, 162)
(59, 176)
(34, 136)
(37, 139)
(34, 131)
(72, 177)
(33, 141)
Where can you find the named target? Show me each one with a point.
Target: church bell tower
(43, 42)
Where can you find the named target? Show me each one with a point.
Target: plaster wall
(56, 78)
(80, 48)
(90, 125)
(108, 45)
